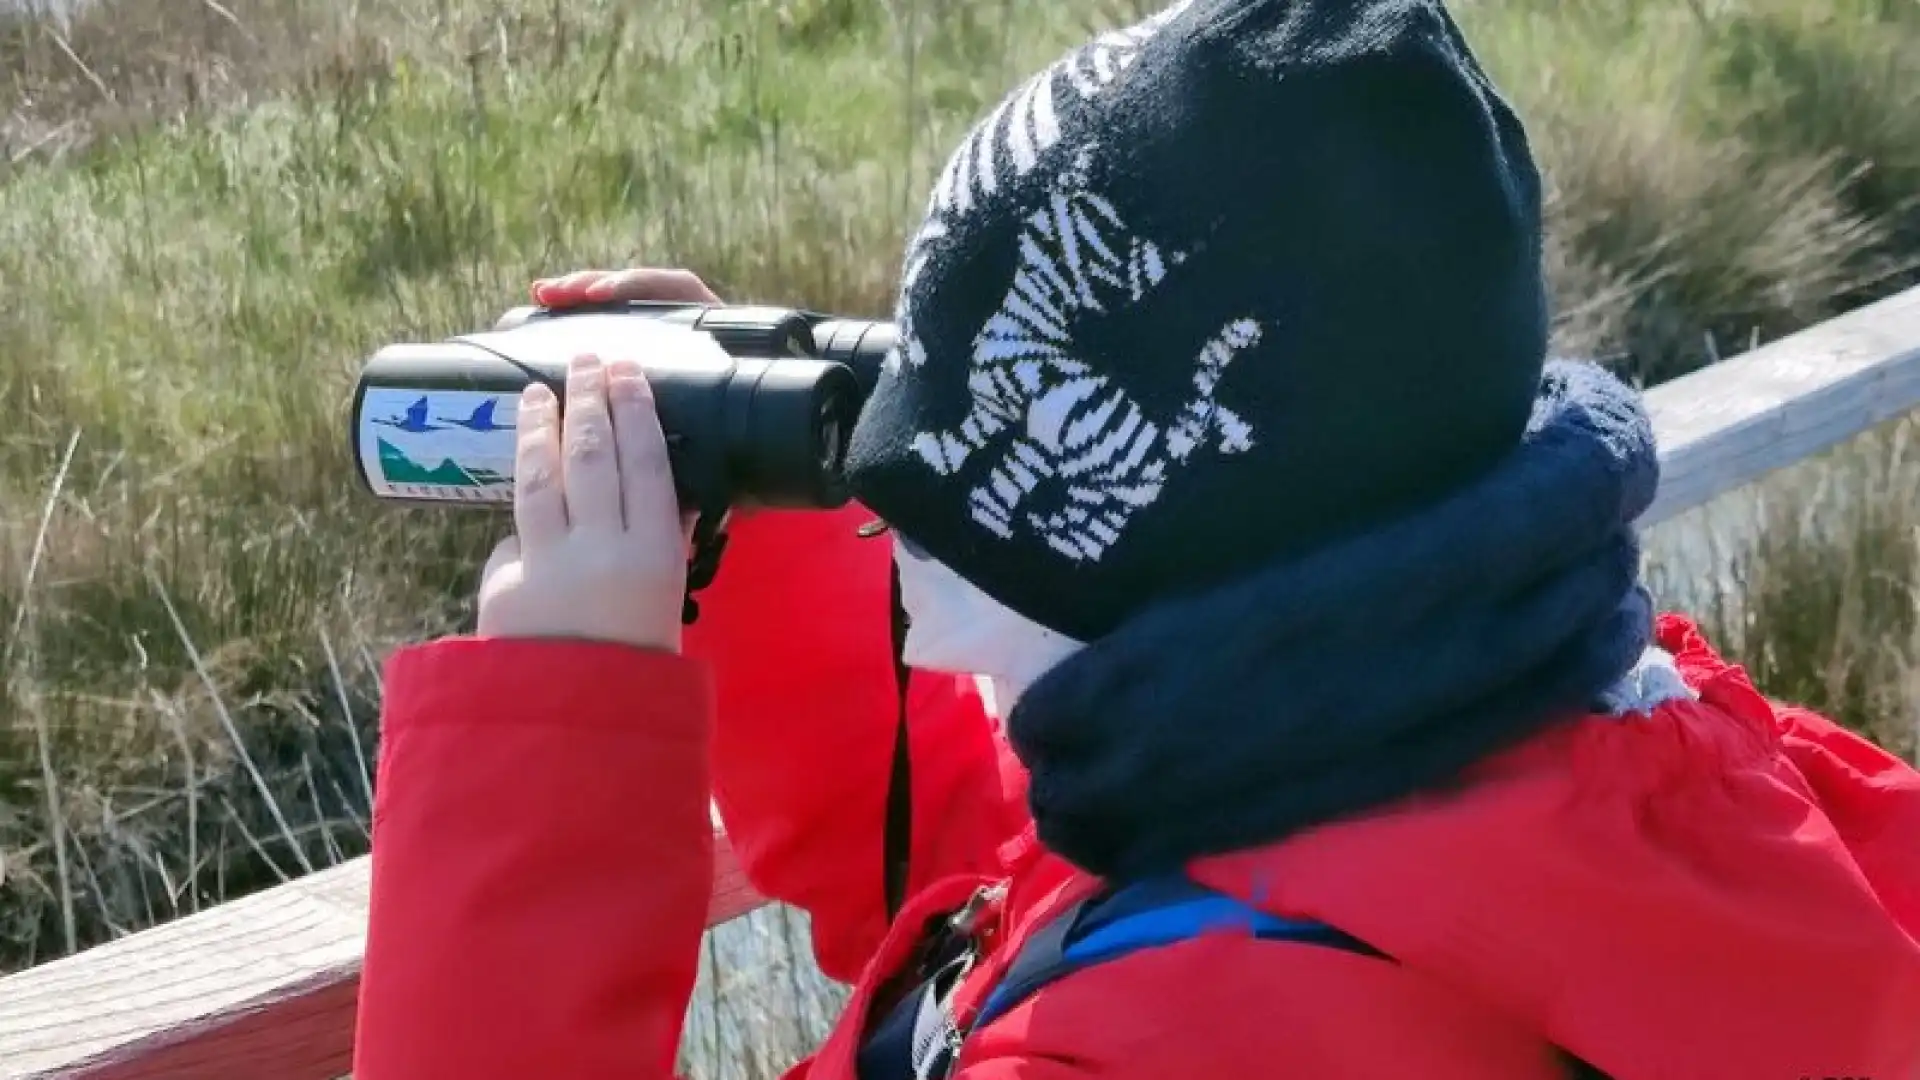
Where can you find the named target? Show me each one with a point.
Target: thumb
(505, 553)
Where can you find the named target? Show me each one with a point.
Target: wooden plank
(260, 987)
(1727, 425)
(264, 986)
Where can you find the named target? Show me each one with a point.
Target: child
(1330, 732)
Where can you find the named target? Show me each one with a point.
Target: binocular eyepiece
(764, 420)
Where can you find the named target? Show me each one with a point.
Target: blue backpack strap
(1164, 911)
(1143, 915)
(919, 1038)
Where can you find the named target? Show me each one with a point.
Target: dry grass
(1810, 579)
(210, 211)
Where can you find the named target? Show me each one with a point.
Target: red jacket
(1723, 888)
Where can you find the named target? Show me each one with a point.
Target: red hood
(1723, 888)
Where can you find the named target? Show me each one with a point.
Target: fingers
(539, 502)
(567, 288)
(591, 474)
(603, 467)
(610, 286)
(646, 472)
(648, 283)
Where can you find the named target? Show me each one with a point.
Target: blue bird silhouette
(414, 420)
(482, 418)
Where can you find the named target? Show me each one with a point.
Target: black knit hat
(1210, 292)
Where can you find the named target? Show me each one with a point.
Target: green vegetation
(210, 213)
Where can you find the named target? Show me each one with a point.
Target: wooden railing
(264, 986)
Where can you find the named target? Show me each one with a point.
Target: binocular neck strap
(709, 542)
(898, 842)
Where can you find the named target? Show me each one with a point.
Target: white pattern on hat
(1074, 435)
(1007, 145)
(1072, 455)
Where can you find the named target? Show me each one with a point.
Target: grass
(210, 212)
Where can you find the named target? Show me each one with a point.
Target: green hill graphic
(401, 469)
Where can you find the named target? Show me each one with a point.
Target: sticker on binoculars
(447, 445)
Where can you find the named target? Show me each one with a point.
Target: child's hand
(601, 549)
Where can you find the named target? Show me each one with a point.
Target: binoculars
(764, 421)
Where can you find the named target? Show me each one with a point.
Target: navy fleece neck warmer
(1326, 686)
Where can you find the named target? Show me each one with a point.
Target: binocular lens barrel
(763, 420)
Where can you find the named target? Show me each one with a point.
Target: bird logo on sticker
(482, 418)
(414, 419)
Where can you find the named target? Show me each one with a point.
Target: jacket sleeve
(797, 629)
(542, 860)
